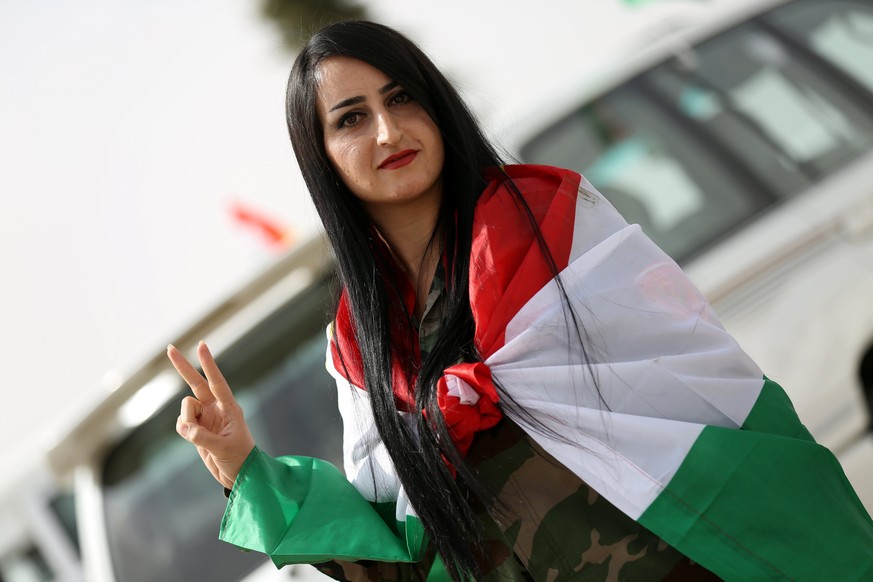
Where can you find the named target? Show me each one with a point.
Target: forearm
(303, 510)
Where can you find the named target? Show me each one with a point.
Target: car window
(841, 31)
(163, 508)
(25, 565)
(63, 507)
(787, 123)
(697, 146)
(652, 169)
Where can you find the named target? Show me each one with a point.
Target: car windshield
(697, 146)
(163, 508)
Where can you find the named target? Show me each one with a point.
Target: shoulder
(530, 223)
(562, 204)
(532, 181)
(519, 199)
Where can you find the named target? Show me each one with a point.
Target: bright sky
(127, 129)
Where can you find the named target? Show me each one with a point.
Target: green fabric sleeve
(300, 510)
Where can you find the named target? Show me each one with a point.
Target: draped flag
(637, 389)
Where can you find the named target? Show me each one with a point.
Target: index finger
(190, 375)
(217, 384)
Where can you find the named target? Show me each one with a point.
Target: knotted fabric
(468, 400)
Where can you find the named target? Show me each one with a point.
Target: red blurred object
(276, 236)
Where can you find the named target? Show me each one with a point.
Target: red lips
(398, 160)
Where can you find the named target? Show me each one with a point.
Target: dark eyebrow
(387, 87)
(360, 99)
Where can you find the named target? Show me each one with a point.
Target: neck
(408, 228)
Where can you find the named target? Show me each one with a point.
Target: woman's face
(384, 146)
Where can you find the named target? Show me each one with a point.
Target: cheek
(437, 147)
(345, 158)
(441, 152)
(434, 137)
(352, 167)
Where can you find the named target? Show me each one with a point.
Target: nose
(388, 132)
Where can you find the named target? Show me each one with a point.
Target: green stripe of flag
(774, 413)
(739, 494)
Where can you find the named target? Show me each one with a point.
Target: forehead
(339, 78)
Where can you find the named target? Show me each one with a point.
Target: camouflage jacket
(545, 523)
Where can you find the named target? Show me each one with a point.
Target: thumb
(198, 435)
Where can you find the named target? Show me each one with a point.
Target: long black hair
(441, 501)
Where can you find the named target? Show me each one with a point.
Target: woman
(529, 388)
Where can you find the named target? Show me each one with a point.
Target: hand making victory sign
(211, 419)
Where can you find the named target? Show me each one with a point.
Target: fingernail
(184, 430)
(170, 347)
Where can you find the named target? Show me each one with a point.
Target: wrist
(229, 478)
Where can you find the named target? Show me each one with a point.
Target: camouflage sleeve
(370, 570)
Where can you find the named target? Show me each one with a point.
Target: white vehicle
(743, 145)
(38, 538)
(744, 148)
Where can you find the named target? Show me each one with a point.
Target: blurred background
(150, 195)
(136, 135)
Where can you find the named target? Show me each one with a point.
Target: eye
(400, 98)
(350, 119)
